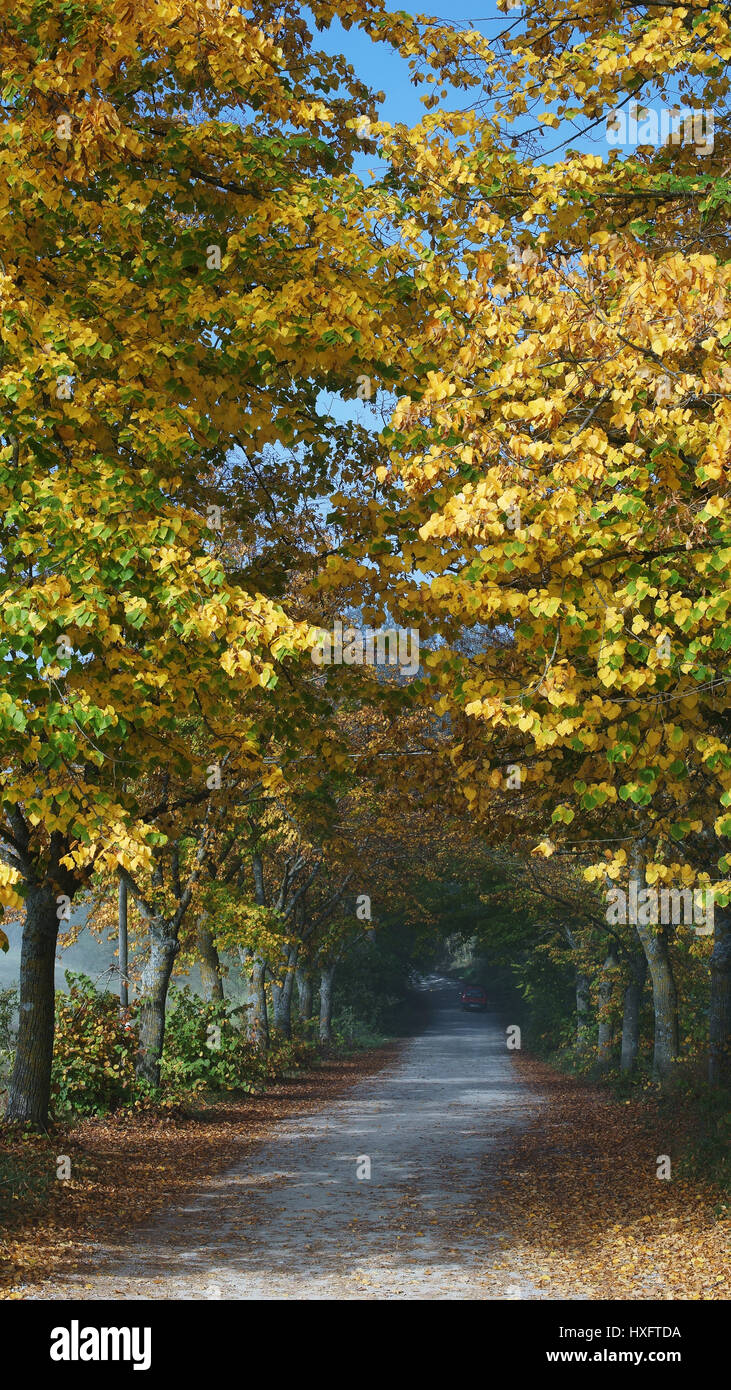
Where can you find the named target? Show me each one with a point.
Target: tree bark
(583, 1013)
(631, 1013)
(282, 998)
(664, 999)
(209, 962)
(326, 1002)
(153, 993)
(655, 944)
(123, 946)
(258, 1022)
(257, 868)
(304, 993)
(606, 990)
(29, 1092)
(719, 1011)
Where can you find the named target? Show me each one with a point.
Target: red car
(472, 997)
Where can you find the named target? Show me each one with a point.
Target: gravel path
(295, 1220)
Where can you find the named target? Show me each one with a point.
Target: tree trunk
(282, 998)
(258, 1022)
(631, 1014)
(606, 990)
(123, 946)
(583, 1013)
(277, 1012)
(257, 868)
(326, 1003)
(208, 961)
(655, 945)
(288, 995)
(153, 992)
(719, 1011)
(664, 999)
(29, 1092)
(245, 967)
(304, 993)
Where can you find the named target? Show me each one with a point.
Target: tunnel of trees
(278, 377)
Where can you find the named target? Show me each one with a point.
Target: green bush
(287, 1056)
(93, 1062)
(8, 1008)
(350, 1031)
(206, 1048)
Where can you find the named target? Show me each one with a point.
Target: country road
(295, 1221)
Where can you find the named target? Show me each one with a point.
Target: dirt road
(297, 1221)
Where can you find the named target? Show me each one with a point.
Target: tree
(176, 274)
(556, 485)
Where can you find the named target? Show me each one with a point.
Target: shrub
(206, 1047)
(93, 1063)
(350, 1031)
(287, 1056)
(206, 1050)
(8, 1009)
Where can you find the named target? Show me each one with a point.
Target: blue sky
(386, 71)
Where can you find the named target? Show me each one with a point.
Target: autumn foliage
(251, 387)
